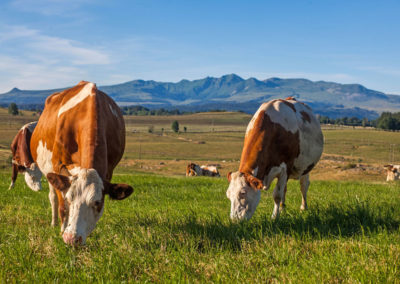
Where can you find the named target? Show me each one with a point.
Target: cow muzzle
(71, 239)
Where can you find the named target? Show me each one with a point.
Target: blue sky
(56, 43)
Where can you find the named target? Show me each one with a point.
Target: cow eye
(97, 204)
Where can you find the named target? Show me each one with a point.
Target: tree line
(140, 110)
(387, 121)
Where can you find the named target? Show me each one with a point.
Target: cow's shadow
(332, 221)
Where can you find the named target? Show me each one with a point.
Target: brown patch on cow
(60, 182)
(290, 98)
(21, 152)
(268, 145)
(62, 209)
(309, 168)
(288, 104)
(305, 117)
(20, 149)
(229, 176)
(252, 181)
(117, 191)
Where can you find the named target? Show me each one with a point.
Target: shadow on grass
(334, 221)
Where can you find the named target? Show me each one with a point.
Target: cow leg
(283, 205)
(13, 176)
(279, 193)
(304, 184)
(54, 205)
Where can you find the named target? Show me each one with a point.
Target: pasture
(174, 228)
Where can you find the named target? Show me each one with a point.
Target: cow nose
(71, 239)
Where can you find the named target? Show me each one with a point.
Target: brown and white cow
(393, 172)
(283, 140)
(205, 170)
(78, 141)
(22, 159)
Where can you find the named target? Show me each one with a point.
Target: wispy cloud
(31, 59)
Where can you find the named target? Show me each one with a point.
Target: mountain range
(231, 92)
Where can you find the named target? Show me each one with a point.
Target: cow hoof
(303, 208)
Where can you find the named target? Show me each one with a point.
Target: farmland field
(174, 228)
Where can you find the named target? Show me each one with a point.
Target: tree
(13, 109)
(389, 121)
(175, 126)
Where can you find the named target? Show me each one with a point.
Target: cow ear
(117, 191)
(59, 182)
(229, 176)
(254, 182)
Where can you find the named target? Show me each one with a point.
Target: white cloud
(32, 60)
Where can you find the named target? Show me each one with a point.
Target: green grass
(178, 229)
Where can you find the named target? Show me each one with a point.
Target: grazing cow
(393, 172)
(196, 170)
(283, 140)
(78, 141)
(22, 159)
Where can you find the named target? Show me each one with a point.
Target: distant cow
(77, 143)
(393, 172)
(283, 140)
(22, 159)
(205, 170)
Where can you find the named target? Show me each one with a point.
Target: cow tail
(14, 175)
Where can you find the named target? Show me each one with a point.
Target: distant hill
(231, 92)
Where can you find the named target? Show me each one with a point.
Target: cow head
(393, 172)
(33, 177)
(193, 170)
(84, 201)
(244, 193)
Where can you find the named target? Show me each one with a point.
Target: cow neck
(254, 148)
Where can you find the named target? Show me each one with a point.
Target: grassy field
(174, 228)
(177, 229)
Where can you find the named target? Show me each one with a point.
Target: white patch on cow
(209, 171)
(44, 157)
(11, 185)
(84, 198)
(244, 199)
(210, 168)
(114, 112)
(283, 115)
(30, 126)
(33, 177)
(86, 91)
